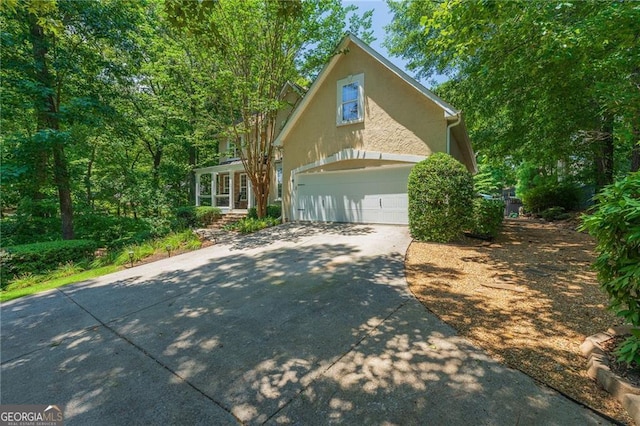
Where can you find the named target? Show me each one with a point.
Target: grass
(15, 291)
(111, 262)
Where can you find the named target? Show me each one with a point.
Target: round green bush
(543, 197)
(440, 199)
(488, 216)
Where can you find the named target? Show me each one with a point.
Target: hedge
(41, 257)
(440, 199)
(488, 216)
(544, 197)
(274, 211)
(192, 216)
(615, 223)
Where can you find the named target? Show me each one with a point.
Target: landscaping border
(598, 369)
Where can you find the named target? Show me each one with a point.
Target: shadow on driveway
(320, 329)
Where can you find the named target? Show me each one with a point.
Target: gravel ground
(529, 298)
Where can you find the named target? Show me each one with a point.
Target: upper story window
(350, 100)
(228, 151)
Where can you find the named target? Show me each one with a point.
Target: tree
(440, 193)
(262, 44)
(57, 57)
(540, 81)
(615, 223)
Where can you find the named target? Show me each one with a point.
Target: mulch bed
(529, 298)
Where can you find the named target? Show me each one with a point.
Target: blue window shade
(350, 102)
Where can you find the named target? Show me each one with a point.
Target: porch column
(214, 189)
(250, 199)
(198, 189)
(232, 201)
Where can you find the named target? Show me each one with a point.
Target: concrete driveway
(302, 324)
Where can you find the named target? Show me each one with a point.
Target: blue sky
(381, 17)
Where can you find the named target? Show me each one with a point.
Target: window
(233, 150)
(243, 187)
(279, 179)
(223, 184)
(228, 151)
(350, 100)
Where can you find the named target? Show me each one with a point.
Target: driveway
(302, 324)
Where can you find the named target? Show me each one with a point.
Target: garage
(369, 195)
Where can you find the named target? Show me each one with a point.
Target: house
(226, 185)
(346, 149)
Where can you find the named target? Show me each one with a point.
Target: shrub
(206, 215)
(546, 196)
(488, 216)
(41, 257)
(440, 199)
(615, 223)
(186, 216)
(554, 213)
(114, 231)
(200, 216)
(135, 252)
(20, 230)
(274, 211)
(249, 224)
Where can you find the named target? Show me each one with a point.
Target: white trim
(214, 189)
(345, 154)
(246, 187)
(356, 154)
(222, 168)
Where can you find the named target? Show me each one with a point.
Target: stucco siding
(397, 119)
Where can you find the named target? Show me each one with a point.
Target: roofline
(449, 110)
(294, 86)
(467, 143)
(447, 107)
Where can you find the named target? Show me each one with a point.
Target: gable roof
(449, 111)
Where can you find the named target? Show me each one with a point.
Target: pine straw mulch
(529, 298)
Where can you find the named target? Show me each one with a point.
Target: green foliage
(18, 230)
(492, 176)
(440, 199)
(538, 80)
(30, 282)
(554, 213)
(134, 253)
(546, 196)
(250, 224)
(41, 257)
(205, 216)
(114, 231)
(274, 211)
(170, 243)
(615, 223)
(488, 216)
(193, 217)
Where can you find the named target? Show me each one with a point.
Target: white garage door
(375, 195)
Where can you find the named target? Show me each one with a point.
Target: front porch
(226, 186)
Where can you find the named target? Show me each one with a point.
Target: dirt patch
(628, 372)
(529, 298)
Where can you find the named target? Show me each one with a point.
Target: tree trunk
(63, 183)
(604, 157)
(87, 178)
(635, 152)
(191, 179)
(47, 114)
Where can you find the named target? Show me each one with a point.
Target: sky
(382, 16)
